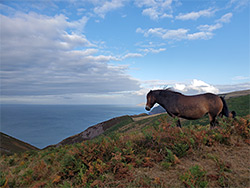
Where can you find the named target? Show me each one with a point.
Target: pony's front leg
(179, 123)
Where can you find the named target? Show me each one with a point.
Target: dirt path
(145, 117)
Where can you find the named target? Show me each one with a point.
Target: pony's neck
(163, 98)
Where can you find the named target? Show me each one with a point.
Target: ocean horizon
(43, 125)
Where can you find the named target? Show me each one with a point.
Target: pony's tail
(225, 110)
(232, 114)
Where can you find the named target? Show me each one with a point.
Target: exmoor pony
(188, 107)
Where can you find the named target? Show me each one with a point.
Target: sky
(115, 51)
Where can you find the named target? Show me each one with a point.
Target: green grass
(241, 105)
(195, 177)
(126, 120)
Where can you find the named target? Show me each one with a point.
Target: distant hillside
(95, 130)
(237, 106)
(10, 145)
(236, 94)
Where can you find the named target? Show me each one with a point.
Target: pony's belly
(190, 118)
(192, 115)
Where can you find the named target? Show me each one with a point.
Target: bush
(180, 149)
(195, 177)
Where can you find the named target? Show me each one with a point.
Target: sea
(43, 125)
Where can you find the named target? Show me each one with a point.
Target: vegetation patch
(115, 159)
(195, 177)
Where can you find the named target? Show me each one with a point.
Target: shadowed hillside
(10, 145)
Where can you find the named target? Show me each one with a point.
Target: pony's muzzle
(147, 108)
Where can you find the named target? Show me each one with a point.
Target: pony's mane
(165, 91)
(170, 89)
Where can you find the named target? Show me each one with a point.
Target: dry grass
(236, 157)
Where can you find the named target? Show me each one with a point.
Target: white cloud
(154, 13)
(219, 24)
(238, 4)
(108, 6)
(210, 28)
(225, 18)
(139, 30)
(152, 50)
(151, 12)
(150, 44)
(81, 53)
(195, 15)
(155, 31)
(205, 31)
(177, 34)
(241, 78)
(132, 55)
(200, 35)
(195, 87)
(180, 87)
(156, 9)
(73, 40)
(148, 3)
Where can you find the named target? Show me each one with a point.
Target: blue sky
(115, 51)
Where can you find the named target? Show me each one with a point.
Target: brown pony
(188, 107)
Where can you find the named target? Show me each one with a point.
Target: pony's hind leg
(179, 123)
(212, 120)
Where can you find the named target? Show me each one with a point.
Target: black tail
(232, 114)
(225, 110)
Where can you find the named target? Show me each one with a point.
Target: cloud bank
(43, 55)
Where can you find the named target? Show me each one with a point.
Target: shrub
(195, 177)
(180, 149)
(3, 180)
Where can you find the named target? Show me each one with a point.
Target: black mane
(170, 90)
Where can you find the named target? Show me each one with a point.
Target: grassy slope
(9, 145)
(240, 105)
(148, 152)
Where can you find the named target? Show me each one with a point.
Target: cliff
(94, 131)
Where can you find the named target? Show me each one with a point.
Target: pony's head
(150, 100)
